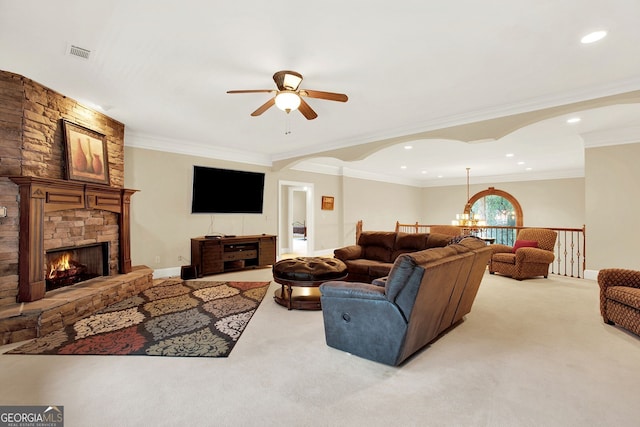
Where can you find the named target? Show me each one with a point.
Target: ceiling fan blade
(306, 110)
(331, 96)
(264, 107)
(251, 91)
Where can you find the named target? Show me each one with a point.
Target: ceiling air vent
(79, 52)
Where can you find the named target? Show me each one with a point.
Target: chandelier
(468, 219)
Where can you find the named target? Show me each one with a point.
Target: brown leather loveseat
(373, 256)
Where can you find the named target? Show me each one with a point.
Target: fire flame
(61, 264)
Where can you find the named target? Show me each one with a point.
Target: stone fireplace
(40, 198)
(47, 212)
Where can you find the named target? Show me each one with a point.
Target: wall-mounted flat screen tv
(226, 191)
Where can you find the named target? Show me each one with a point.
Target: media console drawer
(248, 254)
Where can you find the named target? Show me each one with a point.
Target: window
(500, 209)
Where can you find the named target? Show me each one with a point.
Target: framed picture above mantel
(86, 154)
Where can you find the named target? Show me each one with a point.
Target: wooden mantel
(42, 195)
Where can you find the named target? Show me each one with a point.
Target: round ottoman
(307, 273)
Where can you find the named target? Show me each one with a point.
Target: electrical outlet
(180, 258)
(157, 259)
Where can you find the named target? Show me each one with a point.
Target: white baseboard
(591, 274)
(166, 272)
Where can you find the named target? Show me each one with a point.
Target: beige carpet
(530, 353)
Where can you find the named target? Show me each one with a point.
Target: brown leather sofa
(373, 256)
(620, 298)
(426, 293)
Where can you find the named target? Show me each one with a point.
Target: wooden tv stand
(223, 254)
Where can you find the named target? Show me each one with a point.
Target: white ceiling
(163, 69)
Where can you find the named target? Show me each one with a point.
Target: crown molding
(190, 148)
(628, 135)
(495, 112)
(518, 177)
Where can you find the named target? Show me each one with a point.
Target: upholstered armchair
(530, 256)
(620, 298)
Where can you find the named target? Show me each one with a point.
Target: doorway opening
(295, 219)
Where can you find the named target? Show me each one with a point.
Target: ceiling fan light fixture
(287, 101)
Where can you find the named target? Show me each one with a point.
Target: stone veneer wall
(31, 144)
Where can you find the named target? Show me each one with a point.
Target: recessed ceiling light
(521, 163)
(574, 120)
(510, 155)
(593, 37)
(408, 147)
(439, 176)
(423, 172)
(403, 167)
(528, 169)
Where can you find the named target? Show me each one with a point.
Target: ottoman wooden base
(307, 273)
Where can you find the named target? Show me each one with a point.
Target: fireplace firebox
(70, 265)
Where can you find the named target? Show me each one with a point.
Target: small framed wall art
(86, 154)
(327, 203)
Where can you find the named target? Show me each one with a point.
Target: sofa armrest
(499, 248)
(536, 255)
(618, 277)
(342, 289)
(349, 252)
(380, 281)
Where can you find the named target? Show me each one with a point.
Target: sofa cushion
(409, 242)
(437, 240)
(359, 266)
(624, 295)
(385, 239)
(378, 245)
(524, 244)
(377, 253)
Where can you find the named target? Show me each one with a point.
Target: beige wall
(548, 203)
(162, 223)
(612, 177)
(378, 204)
(161, 219)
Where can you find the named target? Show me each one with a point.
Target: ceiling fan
(289, 97)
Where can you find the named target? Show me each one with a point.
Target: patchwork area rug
(174, 318)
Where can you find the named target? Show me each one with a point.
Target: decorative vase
(89, 157)
(79, 160)
(97, 164)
